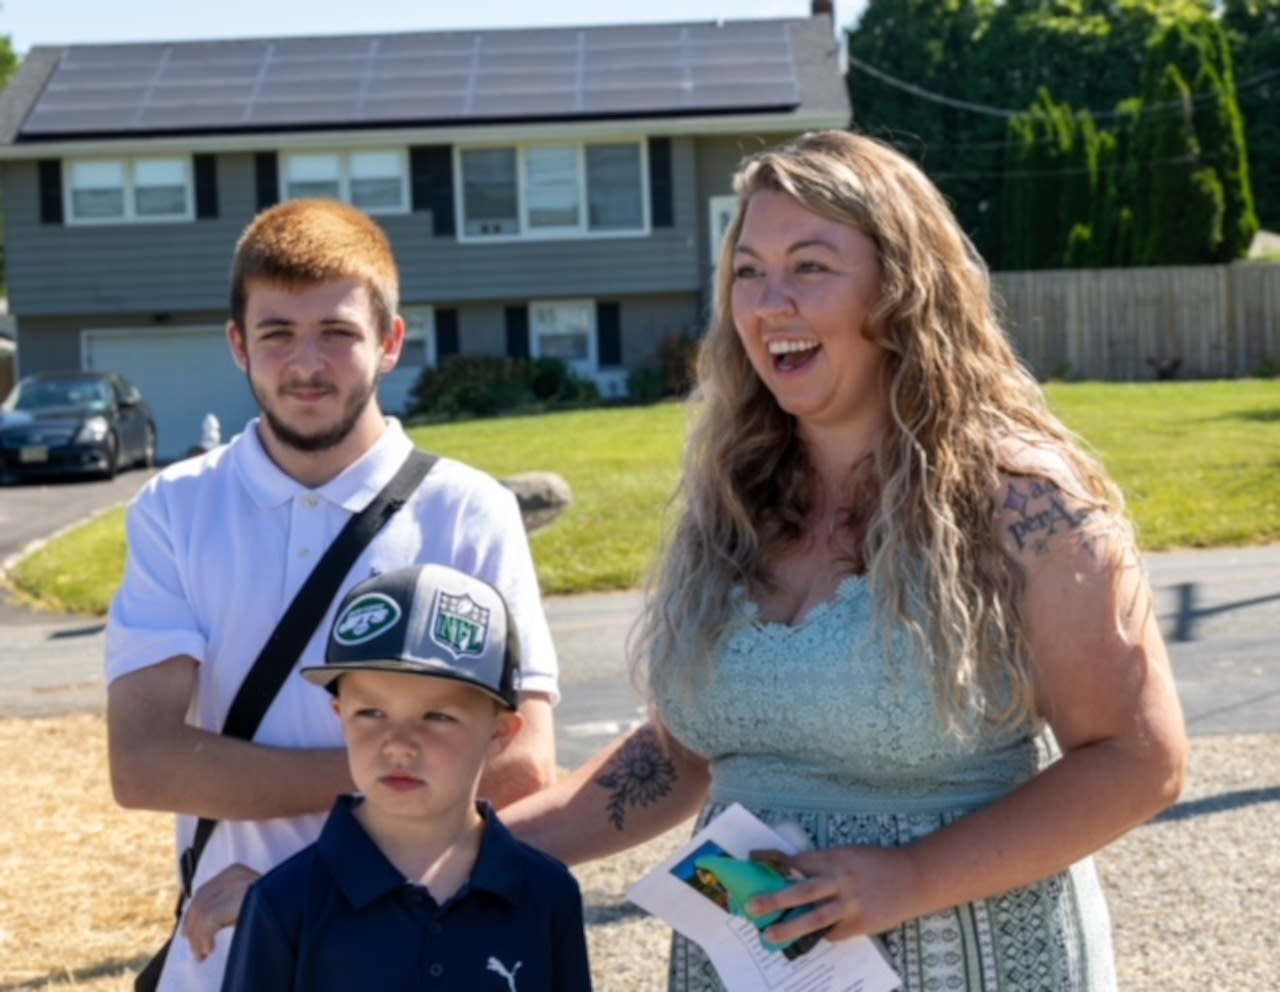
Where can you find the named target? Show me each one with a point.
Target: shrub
(677, 355)
(646, 385)
(485, 386)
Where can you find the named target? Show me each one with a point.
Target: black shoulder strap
(280, 653)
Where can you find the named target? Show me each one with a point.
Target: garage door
(184, 372)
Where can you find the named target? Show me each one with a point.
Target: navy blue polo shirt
(338, 917)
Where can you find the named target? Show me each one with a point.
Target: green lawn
(1199, 462)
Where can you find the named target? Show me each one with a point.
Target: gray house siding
(436, 270)
(121, 268)
(176, 267)
(646, 321)
(46, 343)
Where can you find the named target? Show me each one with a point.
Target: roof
(786, 69)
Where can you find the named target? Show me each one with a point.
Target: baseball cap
(425, 620)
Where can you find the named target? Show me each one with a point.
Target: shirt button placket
(306, 537)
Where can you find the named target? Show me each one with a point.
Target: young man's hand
(215, 905)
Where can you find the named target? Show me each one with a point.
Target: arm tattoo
(638, 775)
(1038, 513)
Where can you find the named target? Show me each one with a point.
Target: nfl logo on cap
(425, 620)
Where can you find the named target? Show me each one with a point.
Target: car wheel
(148, 457)
(113, 457)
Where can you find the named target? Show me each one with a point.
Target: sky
(59, 22)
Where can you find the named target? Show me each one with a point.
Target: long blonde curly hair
(959, 401)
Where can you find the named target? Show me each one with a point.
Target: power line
(1073, 171)
(1006, 113)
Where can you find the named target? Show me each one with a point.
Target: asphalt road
(33, 511)
(1219, 610)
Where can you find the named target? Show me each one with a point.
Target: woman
(900, 605)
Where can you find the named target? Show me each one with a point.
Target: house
(548, 192)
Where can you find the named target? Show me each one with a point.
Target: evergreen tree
(1182, 222)
(1049, 187)
(1253, 27)
(1220, 132)
(1094, 54)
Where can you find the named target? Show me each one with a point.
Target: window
(143, 189)
(490, 203)
(377, 181)
(722, 210)
(545, 191)
(312, 175)
(418, 350)
(374, 181)
(160, 187)
(564, 329)
(551, 188)
(614, 188)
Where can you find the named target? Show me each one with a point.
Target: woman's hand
(215, 905)
(852, 891)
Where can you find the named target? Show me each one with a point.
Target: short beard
(325, 440)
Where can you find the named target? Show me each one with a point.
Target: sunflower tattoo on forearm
(638, 775)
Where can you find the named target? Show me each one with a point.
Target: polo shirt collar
(364, 875)
(352, 489)
(499, 866)
(360, 870)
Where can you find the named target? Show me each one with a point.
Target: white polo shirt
(219, 545)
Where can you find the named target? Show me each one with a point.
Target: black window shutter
(518, 332)
(661, 211)
(609, 334)
(206, 176)
(268, 173)
(49, 172)
(431, 186)
(446, 333)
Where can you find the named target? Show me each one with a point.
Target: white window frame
(721, 210)
(130, 214)
(420, 325)
(586, 367)
(583, 228)
(343, 156)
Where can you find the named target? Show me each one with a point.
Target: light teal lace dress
(813, 723)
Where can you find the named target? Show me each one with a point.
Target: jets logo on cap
(460, 624)
(366, 618)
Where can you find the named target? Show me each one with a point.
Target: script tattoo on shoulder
(638, 775)
(1037, 511)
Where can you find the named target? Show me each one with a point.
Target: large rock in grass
(542, 496)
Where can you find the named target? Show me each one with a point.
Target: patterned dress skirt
(1053, 936)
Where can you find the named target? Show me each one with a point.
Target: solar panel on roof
(411, 78)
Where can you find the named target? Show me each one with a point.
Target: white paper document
(693, 903)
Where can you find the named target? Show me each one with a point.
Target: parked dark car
(75, 423)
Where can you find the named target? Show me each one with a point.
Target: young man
(219, 545)
(412, 883)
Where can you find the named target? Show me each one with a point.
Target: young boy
(412, 883)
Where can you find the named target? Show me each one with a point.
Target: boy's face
(416, 744)
(313, 357)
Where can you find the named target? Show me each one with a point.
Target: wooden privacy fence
(1211, 321)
